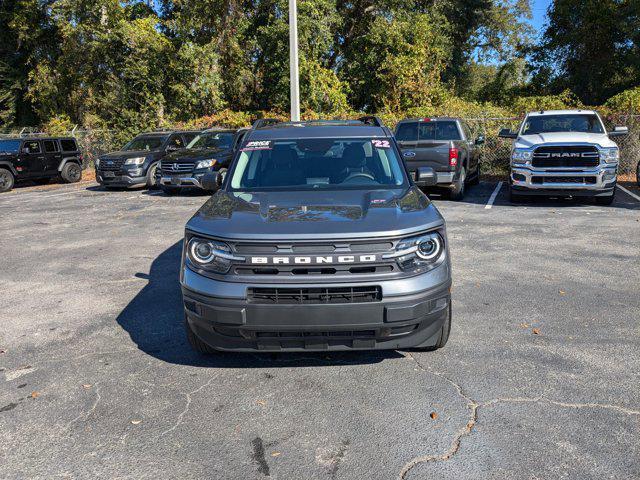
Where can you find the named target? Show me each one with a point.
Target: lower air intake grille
(315, 295)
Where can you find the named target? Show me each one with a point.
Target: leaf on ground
(35, 394)
(536, 331)
(275, 454)
(87, 386)
(433, 415)
(524, 325)
(262, 403)
(136, 422)
(562, 292)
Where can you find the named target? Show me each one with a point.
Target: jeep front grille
(566, 156)
(294, 296)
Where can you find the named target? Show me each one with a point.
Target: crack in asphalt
(187, 405)
(91, 409)
(473, 406)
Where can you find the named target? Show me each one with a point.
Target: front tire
(443, 338)
(197, 344)
(638, 174)
(152, 181)
(517, 197)
(476, 176)
(7, 180)
(605, 200)
(169, 190)
(71, 172)
(458, 188)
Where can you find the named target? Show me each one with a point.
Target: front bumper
(119, 179)
(186, 180)
(410, 314)
(595, 181)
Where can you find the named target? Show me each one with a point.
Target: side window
(407, 132)
(175, 141)
(50, 146)
(31, 147)
(68, 145)
(466, 130)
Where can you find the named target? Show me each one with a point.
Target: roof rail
(263, 122)
(371, 120)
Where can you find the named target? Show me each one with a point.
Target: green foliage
(627, 101)
(565, 99)
(58, 125)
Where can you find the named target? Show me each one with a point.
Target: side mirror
(619, 131)
(427, 175)
(209, 181)
(507, 133)
(480, 140)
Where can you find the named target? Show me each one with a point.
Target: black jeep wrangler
(211, 151)
(39, 159)
(136, 164)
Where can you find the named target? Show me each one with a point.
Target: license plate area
(108, 174)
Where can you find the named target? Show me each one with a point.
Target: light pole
(293, 61)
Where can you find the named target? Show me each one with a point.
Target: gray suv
(317, 239)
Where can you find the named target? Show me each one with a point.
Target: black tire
(457, 190)
(444, 333)
(7, 180)
(152, 181)
(71, 172)
(476, 177)
(638, 174)
(517, 197)
(605, 200)
(169, 190)
(197, 344)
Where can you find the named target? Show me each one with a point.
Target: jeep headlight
(610, 155)
(134, 161)
(210, 255)
(206, 163)
(419, 253)
(521, 156)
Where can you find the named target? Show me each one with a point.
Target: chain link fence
(494, 153)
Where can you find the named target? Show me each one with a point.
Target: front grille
(176, 167)
(297, 296)
(542, 180)
(314, 248)
(111, 165)
(571, 156)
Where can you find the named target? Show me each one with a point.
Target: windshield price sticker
(381, 143)
(258, 145)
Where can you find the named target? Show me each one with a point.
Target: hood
(529, 141)
(128, 154)
(316, 214)
(195, 155)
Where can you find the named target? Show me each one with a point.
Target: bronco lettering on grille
(273, 260)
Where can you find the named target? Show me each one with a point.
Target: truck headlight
(610, 155)
(210, 255)
(206, 163)
(419, 253)
(134, 161)
(521, 156)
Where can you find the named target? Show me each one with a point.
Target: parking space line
(629, 192)
(493, 196)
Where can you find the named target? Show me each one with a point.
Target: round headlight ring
(201, 251)
(430, 247)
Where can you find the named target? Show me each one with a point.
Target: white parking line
(629, 193)
(493, 196)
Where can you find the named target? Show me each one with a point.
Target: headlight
(520, 156)
(135, 161)
(610, 155)
(206, 163)
(210, 255)
(419, 253)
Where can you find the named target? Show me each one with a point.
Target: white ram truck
(564, 153)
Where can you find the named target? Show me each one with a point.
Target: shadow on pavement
(154, 321)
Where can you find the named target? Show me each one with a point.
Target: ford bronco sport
(317, 239)
(38, 159)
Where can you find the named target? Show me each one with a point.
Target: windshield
(317, 163)
(9, 146)
(151, 142)
(414, 131)
(562, 123)
(212, 140)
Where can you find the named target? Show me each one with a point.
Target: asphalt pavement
(539, 380)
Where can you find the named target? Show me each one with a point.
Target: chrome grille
(176, 167)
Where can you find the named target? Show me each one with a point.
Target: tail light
(453, 157)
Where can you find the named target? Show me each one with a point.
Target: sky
(539, 12)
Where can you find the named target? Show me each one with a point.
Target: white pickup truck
(564, 153)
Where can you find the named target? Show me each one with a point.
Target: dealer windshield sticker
(258, 145)
(381, 143)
